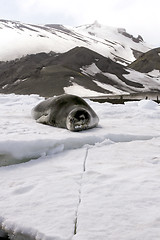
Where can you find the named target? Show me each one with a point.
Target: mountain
(148, 62)
(19, 39)
(79, 71)
(89, 60)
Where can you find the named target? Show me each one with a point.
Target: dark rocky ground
(4, 238)
(147, 61)
(47, 74)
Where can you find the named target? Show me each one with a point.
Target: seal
(66, 111)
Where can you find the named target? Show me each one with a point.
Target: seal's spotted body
(66, 111)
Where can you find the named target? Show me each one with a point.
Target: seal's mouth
(78, 120)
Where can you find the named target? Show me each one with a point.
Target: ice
(43, 192)
(120, 195)
(101, 183)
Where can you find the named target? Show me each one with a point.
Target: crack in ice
(80, 190)
(35, 149)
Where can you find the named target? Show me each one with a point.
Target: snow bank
(147, 104)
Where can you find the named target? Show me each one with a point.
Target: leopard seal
(66, 111)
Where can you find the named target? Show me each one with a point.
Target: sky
(138, 17)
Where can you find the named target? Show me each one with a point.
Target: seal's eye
(72, 120)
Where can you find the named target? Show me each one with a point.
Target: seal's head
(78, 120)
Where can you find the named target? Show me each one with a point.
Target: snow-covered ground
(97, 184)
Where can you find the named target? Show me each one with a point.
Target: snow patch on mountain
(81, 91)
(148, 83)
(154, 73)
(110, 88)
(91, 70)
(119, 86)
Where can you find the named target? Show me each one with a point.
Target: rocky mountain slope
(147, 62)
(19, 39)
(89, 60)
(79, 71)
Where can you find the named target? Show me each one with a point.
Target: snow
(102, 183)
(114, 38)
(110, 88)
(149, 83)
(154, 73)
(147, 80)
(104, 40)
(82, 92)
(91, 69)
(33, 41)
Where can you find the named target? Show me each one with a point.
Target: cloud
(137, 16)
(40, 11)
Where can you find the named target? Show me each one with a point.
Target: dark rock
(47, 74)
(147, 61)
(123, 32)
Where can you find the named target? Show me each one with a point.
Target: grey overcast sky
(136, 16)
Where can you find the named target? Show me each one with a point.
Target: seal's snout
(78, 120)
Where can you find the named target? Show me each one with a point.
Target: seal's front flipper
(43, 119)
